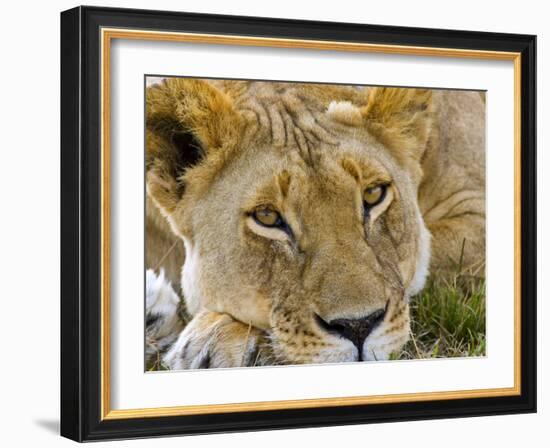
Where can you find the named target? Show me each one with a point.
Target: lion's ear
(186, 119)
(401, 119)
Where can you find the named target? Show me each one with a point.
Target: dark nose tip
(356, 330)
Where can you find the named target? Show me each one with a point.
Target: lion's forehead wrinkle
(283, 119)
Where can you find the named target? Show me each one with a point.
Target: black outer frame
(81, 219)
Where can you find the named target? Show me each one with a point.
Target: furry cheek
(296, 342)
(422, 262)
(189, 277)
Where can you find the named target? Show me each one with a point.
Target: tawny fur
(216, 150)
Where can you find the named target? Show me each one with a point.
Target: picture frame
(87, 34)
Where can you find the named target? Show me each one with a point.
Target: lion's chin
(344, 352)
(380, 347)
(376, 353)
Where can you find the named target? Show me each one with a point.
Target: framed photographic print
(276, 224)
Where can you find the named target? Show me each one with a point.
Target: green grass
(447, 320)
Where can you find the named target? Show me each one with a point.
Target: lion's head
(298, 208)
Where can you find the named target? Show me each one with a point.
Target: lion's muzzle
(355, 330)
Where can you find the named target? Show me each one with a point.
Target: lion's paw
(213, 340)
(162, 322)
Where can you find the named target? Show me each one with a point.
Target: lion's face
(310, 230)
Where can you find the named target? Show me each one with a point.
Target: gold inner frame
(107, 35)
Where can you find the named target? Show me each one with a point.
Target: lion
(299, 219)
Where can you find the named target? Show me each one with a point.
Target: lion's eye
(268, 217)
(374, 195)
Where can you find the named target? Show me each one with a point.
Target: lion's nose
(356, 330)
